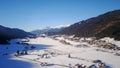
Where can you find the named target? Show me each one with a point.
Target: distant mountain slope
(105, 25)
(11, 33)
(50, 30)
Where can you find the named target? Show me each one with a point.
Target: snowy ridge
(60, 26)
(50, 29)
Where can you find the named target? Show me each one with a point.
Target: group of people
(23, 52)
(97, 65)
(91, 66)
(77, 66)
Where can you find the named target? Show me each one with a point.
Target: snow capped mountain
(50, 30)
(60, 26)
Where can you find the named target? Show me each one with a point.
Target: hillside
(105, 25)
(11, 33)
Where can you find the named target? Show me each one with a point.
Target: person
(69, 56)
(22, 52)
(17, 53)
(32, 47)
(103, 65)
(92, 66)
(26, 52)
(78, 65)
(70, 66)
(82, 66)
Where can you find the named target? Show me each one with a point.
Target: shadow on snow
(6, 62)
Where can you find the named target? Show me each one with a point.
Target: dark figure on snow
(69, 56)
(22, 52)
(17, 53)
(92, 66)
(32, 47)
(26, 52)
(78, 66)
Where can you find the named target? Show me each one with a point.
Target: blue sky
(35, 14)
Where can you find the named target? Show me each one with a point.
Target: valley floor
(50, 53)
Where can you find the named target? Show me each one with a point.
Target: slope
(11, 33)
(105, 25)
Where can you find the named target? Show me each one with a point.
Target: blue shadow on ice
(6, 62)
(10, 49)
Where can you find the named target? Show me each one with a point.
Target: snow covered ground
(50, 53)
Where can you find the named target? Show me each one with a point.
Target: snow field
(55, 53)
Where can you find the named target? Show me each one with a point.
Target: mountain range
(105, 25)
(50, 30)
